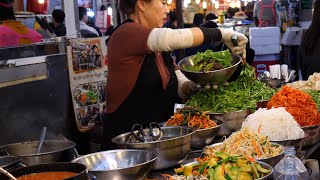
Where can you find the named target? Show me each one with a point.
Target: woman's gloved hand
(242, 41)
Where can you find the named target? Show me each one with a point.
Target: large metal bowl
(202, 137)
(297, 143)
(272, 161)
(172, 148)
(211, 77)
(52, 151)
(269, 176)
(119, 164)
(313, 135)
(232, 121)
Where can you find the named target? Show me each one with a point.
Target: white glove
(242, 41)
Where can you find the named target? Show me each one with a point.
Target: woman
(143, 82)
(12, 32)
(309, 49)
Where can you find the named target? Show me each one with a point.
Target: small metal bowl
(202, 137)
(232, 121)
(269, 176)
(297, 143)
(313, 135)
(119, 164)
(209, 77)
(172, 148)
(274, 83)
(272, 161)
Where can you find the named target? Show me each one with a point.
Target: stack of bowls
(119, 164)
(172, 148)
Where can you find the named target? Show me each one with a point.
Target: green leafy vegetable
(315, 96)
(238, 95)
(210, 61)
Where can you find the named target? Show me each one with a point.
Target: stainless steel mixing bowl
(272, 161)
(172, 148)
(232, 121)
(313, 135)
(119, 164)
(202, 137)
(297, 143)
(211, 77)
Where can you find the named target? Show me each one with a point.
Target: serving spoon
(7, 173)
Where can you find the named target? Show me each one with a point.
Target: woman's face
(156, 13)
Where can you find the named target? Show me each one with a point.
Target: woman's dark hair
(6, 13)
(236, 9)
(243, 8)
(128, 6)
(173, 16)
(231, 11)
(58, 15)
(198, 19)
(312, 35)
(82, 12)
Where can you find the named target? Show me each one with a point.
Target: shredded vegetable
(191, 117)
(298, 103)
(248, 143)
(276, 123)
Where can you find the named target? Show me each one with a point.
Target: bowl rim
(305, 136)
(310, 126)
(72, 145)
(118, 150)
(154, 142)
(238, 111)
(257, 159)
(197, 130)
(207, 72)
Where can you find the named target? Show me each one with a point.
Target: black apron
(309, 62)
(147, 102)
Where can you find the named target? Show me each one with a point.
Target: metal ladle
(7, 173)
(43, 134)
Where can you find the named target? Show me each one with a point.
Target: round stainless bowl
(202, 137)
(268, 176)
(313, 135)
(211, 77)
(297, 143)
(272, 161)
(52, 151)
(119, 164)
(172, 148)
(232, 121)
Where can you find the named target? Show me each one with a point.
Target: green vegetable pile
(224, 166)
(315, 96)
(241, 94)
(210, 61)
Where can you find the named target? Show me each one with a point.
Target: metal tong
(147, 135)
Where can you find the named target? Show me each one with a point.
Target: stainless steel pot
(313, 135)
(52, 151)
(172, 148)
(9, 162)
(119, 164)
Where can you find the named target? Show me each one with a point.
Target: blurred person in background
(12, 32)
(171, 20)
(57, 23)
(143, 80)
(241, 13)
(230, 13)
(249, 10)
(265, 13)
(85, 29)
(309, 49)
(209, 21)
(198, 19)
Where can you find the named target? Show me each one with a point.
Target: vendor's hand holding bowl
(227, 40)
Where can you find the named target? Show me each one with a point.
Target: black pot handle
(141, 135)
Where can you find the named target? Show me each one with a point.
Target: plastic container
(290, 167)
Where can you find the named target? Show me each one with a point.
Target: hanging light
(169, 1)
(249, 0)
(245, 3)
(216, 5)
(228, 1)
(109, 11)
(40, 1)
(198, 1)
(213, 1)
(233, 4)
(238, 4)
(189, 1)
(204, 4)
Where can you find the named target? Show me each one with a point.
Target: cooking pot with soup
(52, 171)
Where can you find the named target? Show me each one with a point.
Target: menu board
(88, 70)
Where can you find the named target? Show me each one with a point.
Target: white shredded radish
(276, 123)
